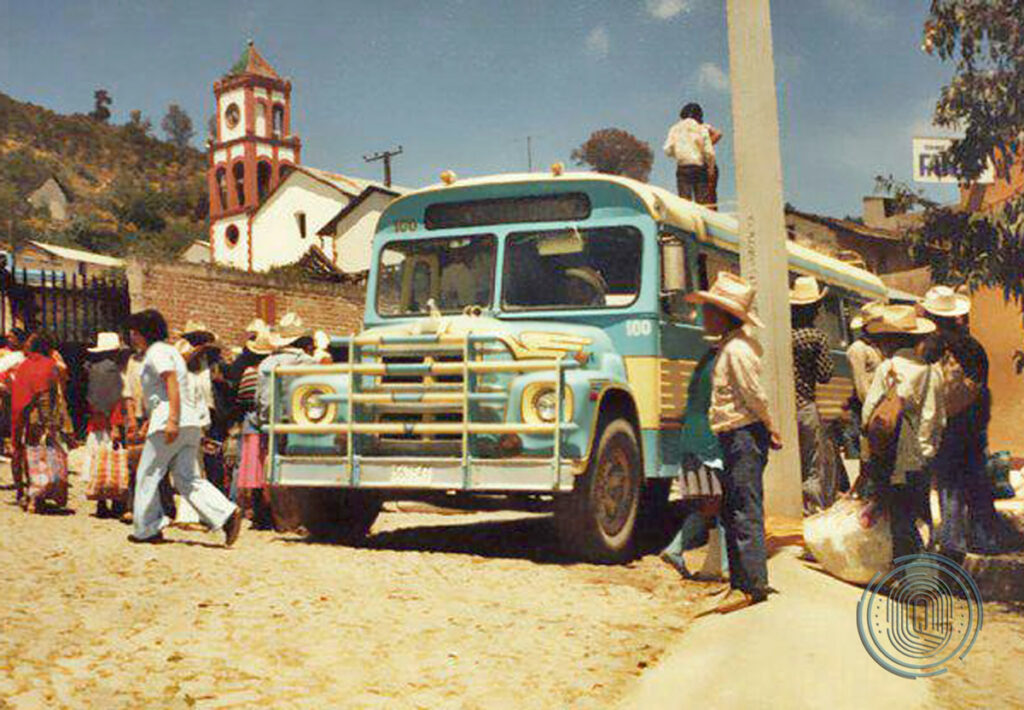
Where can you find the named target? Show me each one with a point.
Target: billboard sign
(930, 167)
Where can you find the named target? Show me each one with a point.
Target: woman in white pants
(172, 440)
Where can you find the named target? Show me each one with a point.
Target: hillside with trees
(130, 191)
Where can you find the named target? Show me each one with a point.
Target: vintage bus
(526, 346)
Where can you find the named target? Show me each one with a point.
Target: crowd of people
(173, 429)
(920, 407)
(186, 418)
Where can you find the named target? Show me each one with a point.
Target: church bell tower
(253, 151)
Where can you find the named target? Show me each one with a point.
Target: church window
(300, 221)
(232, 115)
(283, 171)
(261, 118)
(263, 173)
(231, 235)
(278, 115)
(239, 171)
(222, 188)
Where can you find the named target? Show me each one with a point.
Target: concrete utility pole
(386, 156)
(763, 258)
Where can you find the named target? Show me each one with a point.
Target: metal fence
(73, 309)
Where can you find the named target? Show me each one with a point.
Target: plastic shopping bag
(108, 476)
(47, 474)
(852, 540)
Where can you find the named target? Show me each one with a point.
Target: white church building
(266, 208)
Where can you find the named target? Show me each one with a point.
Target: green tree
(101, 103)
(177, 126)
(616, 152)
(138, 123)
(984, 100)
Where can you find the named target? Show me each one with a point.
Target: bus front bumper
(498, 475)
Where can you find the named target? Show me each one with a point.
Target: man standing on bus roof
(740, 418)
(691, 143)
(812, 365)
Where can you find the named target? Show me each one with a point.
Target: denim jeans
(745, 457)
(965, 493)
(181, 458)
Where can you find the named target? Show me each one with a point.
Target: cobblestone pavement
(436, 610)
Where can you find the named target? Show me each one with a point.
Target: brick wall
(226, 300)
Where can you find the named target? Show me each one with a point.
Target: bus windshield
(572, 268)
(454, 273)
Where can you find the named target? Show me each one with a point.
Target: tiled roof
(252, 62)
(849, 226)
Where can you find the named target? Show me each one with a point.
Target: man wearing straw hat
(902, 470)
(740, 418)
(864, 358)
(293, 345)
(812, 365)
(969, 520)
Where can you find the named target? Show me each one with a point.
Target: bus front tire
(337, 515)
(598, 519)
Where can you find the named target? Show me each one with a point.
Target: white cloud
(864, 13)
(598, 42)
(712, 77)
(665, 9)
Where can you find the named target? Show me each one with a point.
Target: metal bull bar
(471, 365)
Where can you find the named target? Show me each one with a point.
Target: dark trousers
(905, 508)
(745, 457)
(965, 493)
(693, 183)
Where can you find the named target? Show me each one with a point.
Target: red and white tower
(254, 150)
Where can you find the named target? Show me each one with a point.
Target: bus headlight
(309, 408)
(540, 402)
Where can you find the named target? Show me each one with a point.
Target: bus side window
(830, 321)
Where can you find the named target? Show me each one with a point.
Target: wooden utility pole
(763, 255)
(386, 156)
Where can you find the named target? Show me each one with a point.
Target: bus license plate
(412, 475)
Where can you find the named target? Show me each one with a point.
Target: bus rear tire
(598, 520)
(338, 515)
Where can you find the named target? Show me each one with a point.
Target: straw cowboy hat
(899, 319)
(107, 343)
(256, 325)
(260, 344)
(196, 327)
(806, 291)
(869, 312)
(289, 329)
(944, 302)
(733, 295)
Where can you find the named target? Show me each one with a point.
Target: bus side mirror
(673, 266)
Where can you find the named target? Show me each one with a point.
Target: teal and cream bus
(526, 345)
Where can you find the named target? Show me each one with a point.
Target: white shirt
(689, 143)
(160, 359)
(11, 360)
(738, 398)
(924, 413)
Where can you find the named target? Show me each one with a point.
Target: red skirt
(250, 468)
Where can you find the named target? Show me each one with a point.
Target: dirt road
(435, 611)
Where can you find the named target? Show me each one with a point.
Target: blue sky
(461, 83)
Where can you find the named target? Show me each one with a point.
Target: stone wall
(226, 300)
